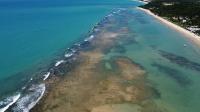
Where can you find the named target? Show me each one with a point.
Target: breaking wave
(6, 103)
(28, 101)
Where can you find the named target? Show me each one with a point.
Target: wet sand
(98, 85)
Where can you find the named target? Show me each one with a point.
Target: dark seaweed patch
(174, 74)
(119, 49)
(155, 92)
(129, 39)
(153, 46)
(114, 58)
(182, 61)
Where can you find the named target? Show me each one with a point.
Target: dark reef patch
(182, 61)
(119, 49)
(155, 92)
(179, 77)
(128, 39)
(153, 47)
(114, 58)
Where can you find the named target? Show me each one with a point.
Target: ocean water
(171, 60)
(34, 35)
(173, 72)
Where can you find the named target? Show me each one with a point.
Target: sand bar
(193, 37)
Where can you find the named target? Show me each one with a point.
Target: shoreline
(193, 37)
(140, 1)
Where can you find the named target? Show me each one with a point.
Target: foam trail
(96, 30)
(59, 62)
(90, 38)
(46, 75)
(10, 100)
(27, 102)
(68, 55)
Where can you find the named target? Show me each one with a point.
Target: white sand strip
(193, 37)
(145, 2)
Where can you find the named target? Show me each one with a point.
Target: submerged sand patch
(85, 90)
(89, 90)
(91, 87)
(118, 108)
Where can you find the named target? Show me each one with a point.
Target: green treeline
(183, 12)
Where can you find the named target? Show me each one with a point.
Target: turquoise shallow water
(172, 68)
(33, 37)
(178, 84)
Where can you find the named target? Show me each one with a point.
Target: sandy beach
(145, 2)
(193, 37)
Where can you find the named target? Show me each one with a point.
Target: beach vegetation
(185, 13)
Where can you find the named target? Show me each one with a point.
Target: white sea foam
(28, 101)
(8, 102)
(46, 75)
(78, 44)
(90, 38)
(110, 15)
(119, 11)
(68, 55)
(114, 12)
(73, 50)
(23, 88)
(59, 62)
(86, 39)
(96, 30)
(122, 9)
